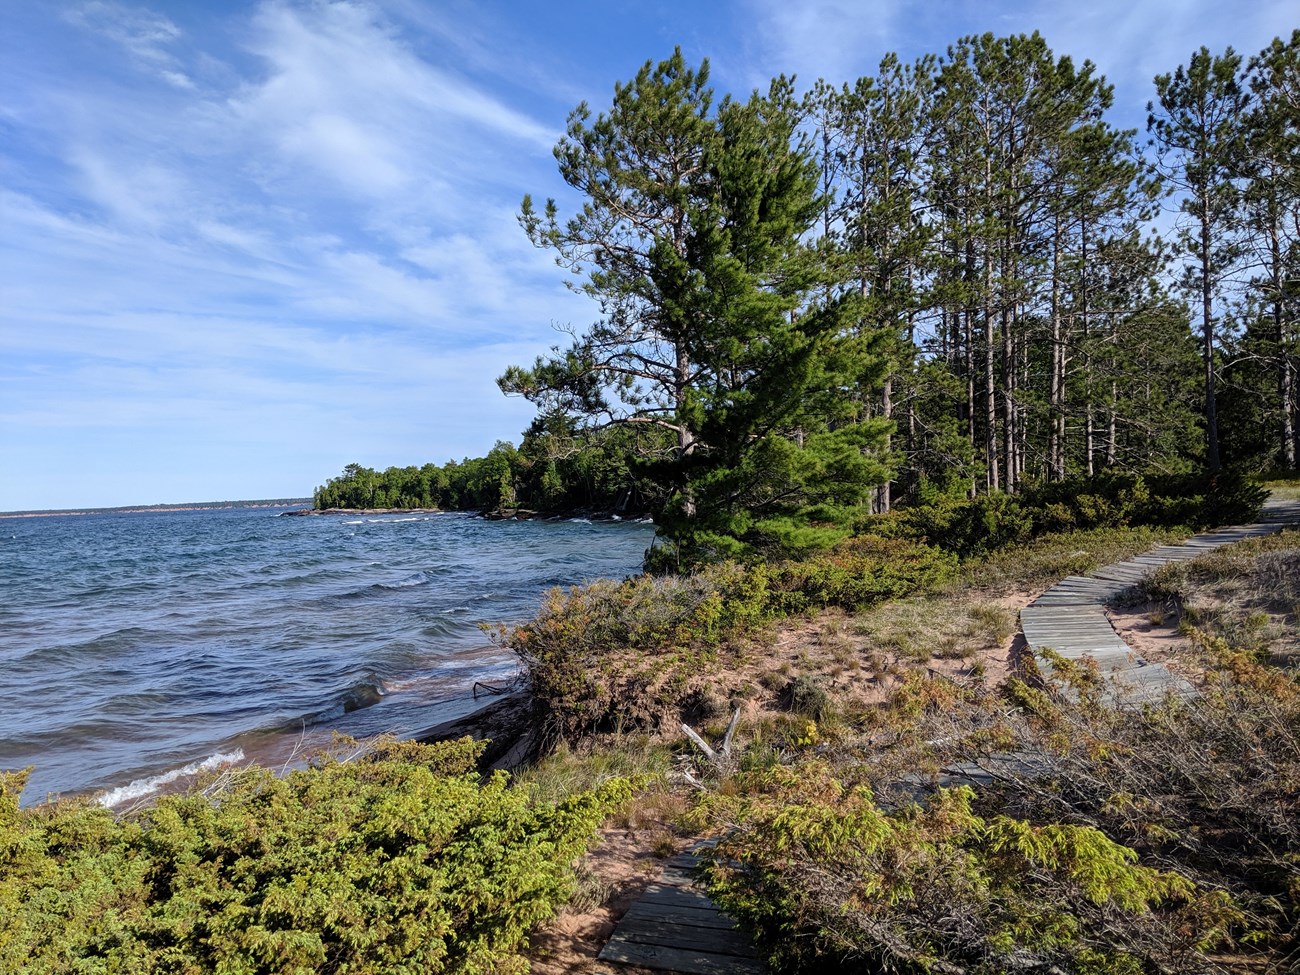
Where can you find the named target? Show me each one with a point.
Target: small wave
(414, 579)
(580, 521)
(106, 645)
(436, 624)
(359, 521)
(376, 589)
(143, 787)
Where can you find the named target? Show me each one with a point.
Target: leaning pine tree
(719, 327)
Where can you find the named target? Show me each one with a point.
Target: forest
(953, 278)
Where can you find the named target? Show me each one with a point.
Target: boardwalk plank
(679, 960)
(685, 916)
(677, 897)
(644, 930)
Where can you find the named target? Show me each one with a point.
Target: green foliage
(859, 573)
(630, 654)
(553, 470)
(831, 881)
(719, 321)
(981, 526)
(969, 527)
(1117, 499)
(625, 655)
(398, 862)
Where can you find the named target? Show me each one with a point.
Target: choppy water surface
(134, 647)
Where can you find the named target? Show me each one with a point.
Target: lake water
(135, 648)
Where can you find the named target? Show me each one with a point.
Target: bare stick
(731, 730)
(703, 745)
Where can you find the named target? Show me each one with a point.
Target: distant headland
(136, 509)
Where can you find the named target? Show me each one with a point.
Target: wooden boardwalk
(1070, 617)
(675, 928)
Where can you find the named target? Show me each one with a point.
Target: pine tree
(718, 321)
(1270, 164)
(877, 131)
(1196, 124)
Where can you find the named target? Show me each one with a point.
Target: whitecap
(143, 787)
(415, 579)
(580, 521)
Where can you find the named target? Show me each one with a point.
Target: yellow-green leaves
(400, 861)
(828, 876)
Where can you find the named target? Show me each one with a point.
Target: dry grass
(1248, 594)
(1044, 561)
(932, 627)
(1284, 488)
(566, 771)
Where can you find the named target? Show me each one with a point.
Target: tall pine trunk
(1207, 336)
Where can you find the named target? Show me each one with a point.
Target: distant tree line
(550, 472)
(944, 280)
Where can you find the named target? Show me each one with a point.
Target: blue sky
(243, 244)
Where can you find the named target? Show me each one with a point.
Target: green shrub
(807, 696)
(400, 862)
(833, 882)
(1115, 500)
(978, 527)
(968, 527)
(859, 573)
(625, 655)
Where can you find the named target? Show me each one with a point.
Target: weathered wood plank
(1081, 639)
(717, 941)
(678, 959)
(677, 897)
(686, 916)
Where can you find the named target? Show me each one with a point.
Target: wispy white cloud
(143, 34)
(345, 98)
(838, 40)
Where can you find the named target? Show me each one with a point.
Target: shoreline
(155, 508)
(498, 514)
(320, 512)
